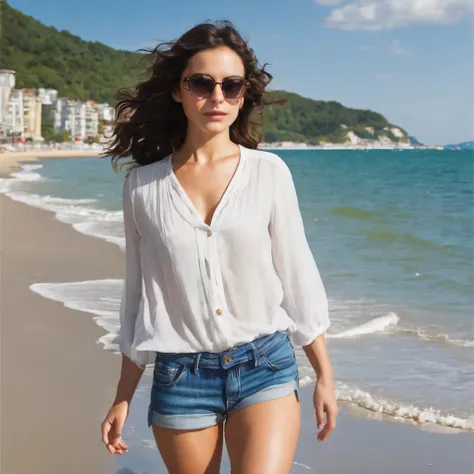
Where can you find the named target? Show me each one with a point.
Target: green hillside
(45, 57)
(304, 119)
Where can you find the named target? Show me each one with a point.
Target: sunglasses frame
(244, 87)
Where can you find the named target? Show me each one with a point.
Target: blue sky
(411, 60)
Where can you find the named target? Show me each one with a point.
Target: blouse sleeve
(304, 296)
(131, 301)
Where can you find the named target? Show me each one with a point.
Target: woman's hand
(324, 400)
(112, 428)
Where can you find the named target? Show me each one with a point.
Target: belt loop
(255, 354)
(196, 363)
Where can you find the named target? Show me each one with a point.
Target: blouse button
(219, 312)
(209, 232)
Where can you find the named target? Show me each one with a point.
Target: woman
(215, 244)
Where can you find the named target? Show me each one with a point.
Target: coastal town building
(31, 115)
(13, 123)
(47, 96)
(106, 112)
(7, 83)
(23, 110)
(80, 119)
(92, 119)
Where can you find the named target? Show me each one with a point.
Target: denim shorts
(198, 390)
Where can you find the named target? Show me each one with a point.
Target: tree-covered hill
(304, 119)
(45, 57)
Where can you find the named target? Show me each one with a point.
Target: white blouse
(193, 287)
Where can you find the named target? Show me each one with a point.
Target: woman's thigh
(190, 451)
(262, 438)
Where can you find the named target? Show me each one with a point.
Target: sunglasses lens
(232, 88)
(201, 86)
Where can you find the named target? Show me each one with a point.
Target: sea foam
(82, 214)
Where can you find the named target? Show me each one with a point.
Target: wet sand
(57, 383)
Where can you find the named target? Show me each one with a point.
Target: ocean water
(393, 236)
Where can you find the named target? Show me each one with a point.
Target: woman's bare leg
(262, 438)
(190, 452)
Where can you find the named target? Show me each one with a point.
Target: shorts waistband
(229, 358)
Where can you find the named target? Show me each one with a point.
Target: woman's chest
(169, 217)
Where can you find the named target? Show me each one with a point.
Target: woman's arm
(305, 299)
(324, 397)
(317, 354)
(132, 284)
(132, 361)
(114, 421)
(304, 296)
(132, 293)
(130, 375)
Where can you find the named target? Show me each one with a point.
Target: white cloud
(384, 75)
(396, 48)
(390, 14)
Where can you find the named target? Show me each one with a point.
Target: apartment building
(14, 123)
(31, 114)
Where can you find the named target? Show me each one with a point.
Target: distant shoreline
(340, 146)
(11, 161)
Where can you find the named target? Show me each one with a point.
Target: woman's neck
(206, 149)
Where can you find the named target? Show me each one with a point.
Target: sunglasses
(202, 86)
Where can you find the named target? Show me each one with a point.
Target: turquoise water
(381, 224)
(393, 236)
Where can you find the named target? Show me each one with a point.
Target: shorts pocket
(167, 373)
(281, 356)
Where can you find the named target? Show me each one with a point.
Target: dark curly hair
(150, 124)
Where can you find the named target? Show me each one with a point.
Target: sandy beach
(57, 382)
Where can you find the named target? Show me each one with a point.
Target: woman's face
(219, 63)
